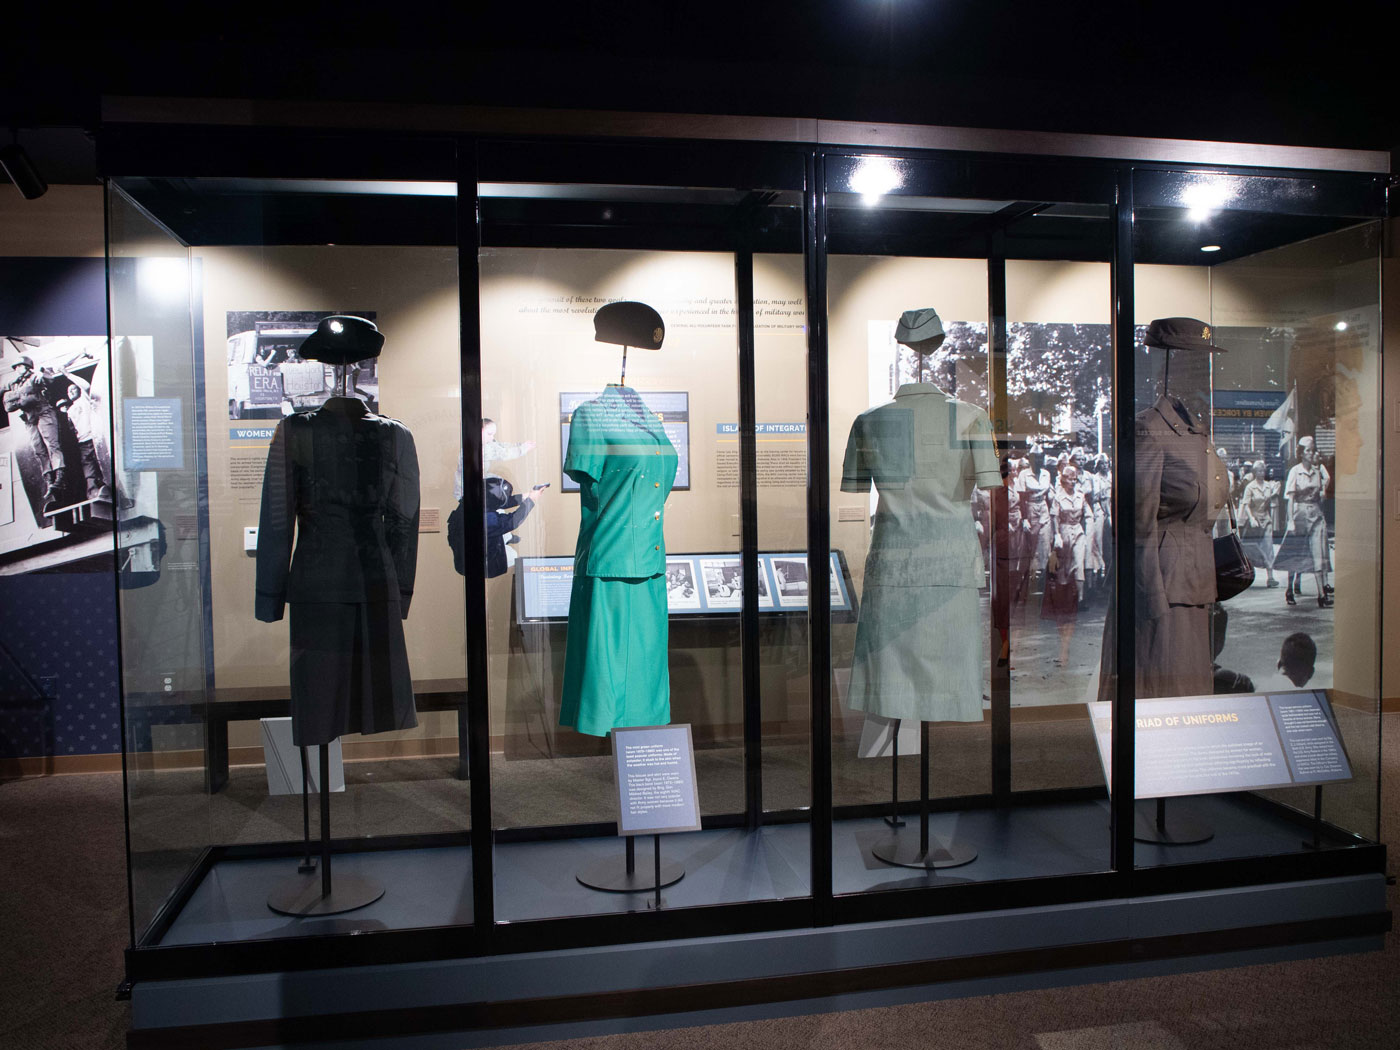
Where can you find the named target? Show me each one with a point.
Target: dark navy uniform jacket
(345, 482)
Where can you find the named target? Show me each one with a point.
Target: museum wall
(58, 629)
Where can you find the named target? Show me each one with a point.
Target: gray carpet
(61, 841)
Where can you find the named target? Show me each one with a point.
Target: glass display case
(633, 401)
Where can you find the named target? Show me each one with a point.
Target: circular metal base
(611, 875)
(1182, 827)
(905, 853)
(301, 896)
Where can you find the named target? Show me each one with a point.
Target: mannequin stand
(306, 895)
(927, 854)
(1181, 829)
(308, 862)
(893, 820)
(1316, 841)
(620, 874)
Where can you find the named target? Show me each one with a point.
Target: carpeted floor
(64, 915)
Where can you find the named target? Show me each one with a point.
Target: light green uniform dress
(919, 641)
(615, 670)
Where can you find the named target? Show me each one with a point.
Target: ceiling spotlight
(874, 177)
(1210, 247)
(1205, 197)
(22, 172)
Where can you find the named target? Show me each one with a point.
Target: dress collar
(910, 389)
(1176, 415)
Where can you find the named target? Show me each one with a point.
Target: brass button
(657, 514)
(658, 452)
(658, 546)
(656, 484)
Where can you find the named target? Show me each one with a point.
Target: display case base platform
(536, 880)
(540, 996)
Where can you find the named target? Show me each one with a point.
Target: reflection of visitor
(1297, 657)
(82, 409)
(504, 514)
(28, 394)
(492, 452)
(1304, 548)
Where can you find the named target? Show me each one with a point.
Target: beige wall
(537, 307)
(66, 221)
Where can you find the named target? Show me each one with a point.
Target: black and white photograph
(58, 495)
(790, 576)
(267, 378)
(681, 589)
(724, 585)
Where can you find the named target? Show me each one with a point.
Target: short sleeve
(588, 448)
(856, 472)
(983, 468)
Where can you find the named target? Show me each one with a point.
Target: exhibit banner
(656, 786)
(1201, 745)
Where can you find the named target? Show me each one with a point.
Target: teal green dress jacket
(615, 669)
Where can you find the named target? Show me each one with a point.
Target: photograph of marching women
(1272, 422)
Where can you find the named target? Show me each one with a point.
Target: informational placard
(1202, 745)
(656, 786)
(695, 584)
(673, 409)
(152, 434)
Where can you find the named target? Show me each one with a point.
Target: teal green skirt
(615, 670)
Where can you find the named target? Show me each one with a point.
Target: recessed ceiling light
(1210, 247)
(1340, 326)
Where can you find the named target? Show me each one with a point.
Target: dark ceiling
(1276, 73)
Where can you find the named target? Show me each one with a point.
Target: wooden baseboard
(55, 765)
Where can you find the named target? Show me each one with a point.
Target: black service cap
(342, 340)
(629, 324)
(1181, 333)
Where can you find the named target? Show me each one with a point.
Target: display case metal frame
(810, 169)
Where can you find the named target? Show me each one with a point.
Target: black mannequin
(342, 484)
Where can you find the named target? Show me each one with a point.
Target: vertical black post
(656, 861)
(997, 571)
(923, 789)
(893, 819)
(1124, 496)
(474, 534)
(325, 750)
(1316, 842)
(751, 682)
(818, 535)
(631, 854)
(306, 866)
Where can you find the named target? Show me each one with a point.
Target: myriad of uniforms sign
(656, 786)
(1201, 745)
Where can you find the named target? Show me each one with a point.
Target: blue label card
(1201, 745)
(152, 435)
(655, 770)
(1310, 740)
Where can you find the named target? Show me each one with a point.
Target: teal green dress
(615, 670)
